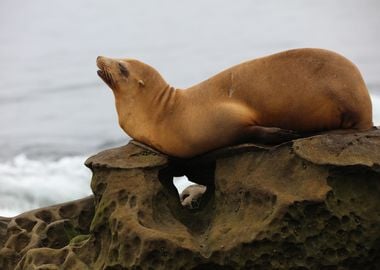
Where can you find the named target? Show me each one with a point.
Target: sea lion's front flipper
(270, 135)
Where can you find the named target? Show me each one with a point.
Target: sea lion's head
(135, 86)
(127, 77)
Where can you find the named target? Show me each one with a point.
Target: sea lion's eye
(124, 71)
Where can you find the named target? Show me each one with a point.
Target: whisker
(112, 82)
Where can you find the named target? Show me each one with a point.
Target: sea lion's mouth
(106, 77)
(101, 74)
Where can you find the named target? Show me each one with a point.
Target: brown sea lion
(267, 100)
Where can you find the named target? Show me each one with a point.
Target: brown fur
(303, 90)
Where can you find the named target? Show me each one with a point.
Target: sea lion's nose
(100, 61)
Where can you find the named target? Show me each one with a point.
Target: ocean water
(55, 111)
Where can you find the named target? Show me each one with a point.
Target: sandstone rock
(3, 229)
(313, 203)
(50, 227)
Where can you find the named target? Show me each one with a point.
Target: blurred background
(55, 111)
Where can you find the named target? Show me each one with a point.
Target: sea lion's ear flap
(141, 83)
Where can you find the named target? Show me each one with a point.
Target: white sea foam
(376, 109)
(181, 183)
(28, 184)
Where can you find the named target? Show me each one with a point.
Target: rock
(3, 229)
(191, 197)
(313, 203)
(49, 227)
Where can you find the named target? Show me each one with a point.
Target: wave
(376, 109)
(181, 183)
(30, 183)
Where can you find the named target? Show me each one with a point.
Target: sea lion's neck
(165, 98)
(142, 118)
(165, 105)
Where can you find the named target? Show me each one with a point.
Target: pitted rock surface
(313, 203)
(50, 227)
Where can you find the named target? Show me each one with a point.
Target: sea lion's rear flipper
(270, 135)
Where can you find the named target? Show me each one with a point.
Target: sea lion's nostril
(99, 62)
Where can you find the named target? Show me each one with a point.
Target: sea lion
(267, 100)
(192, 195)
